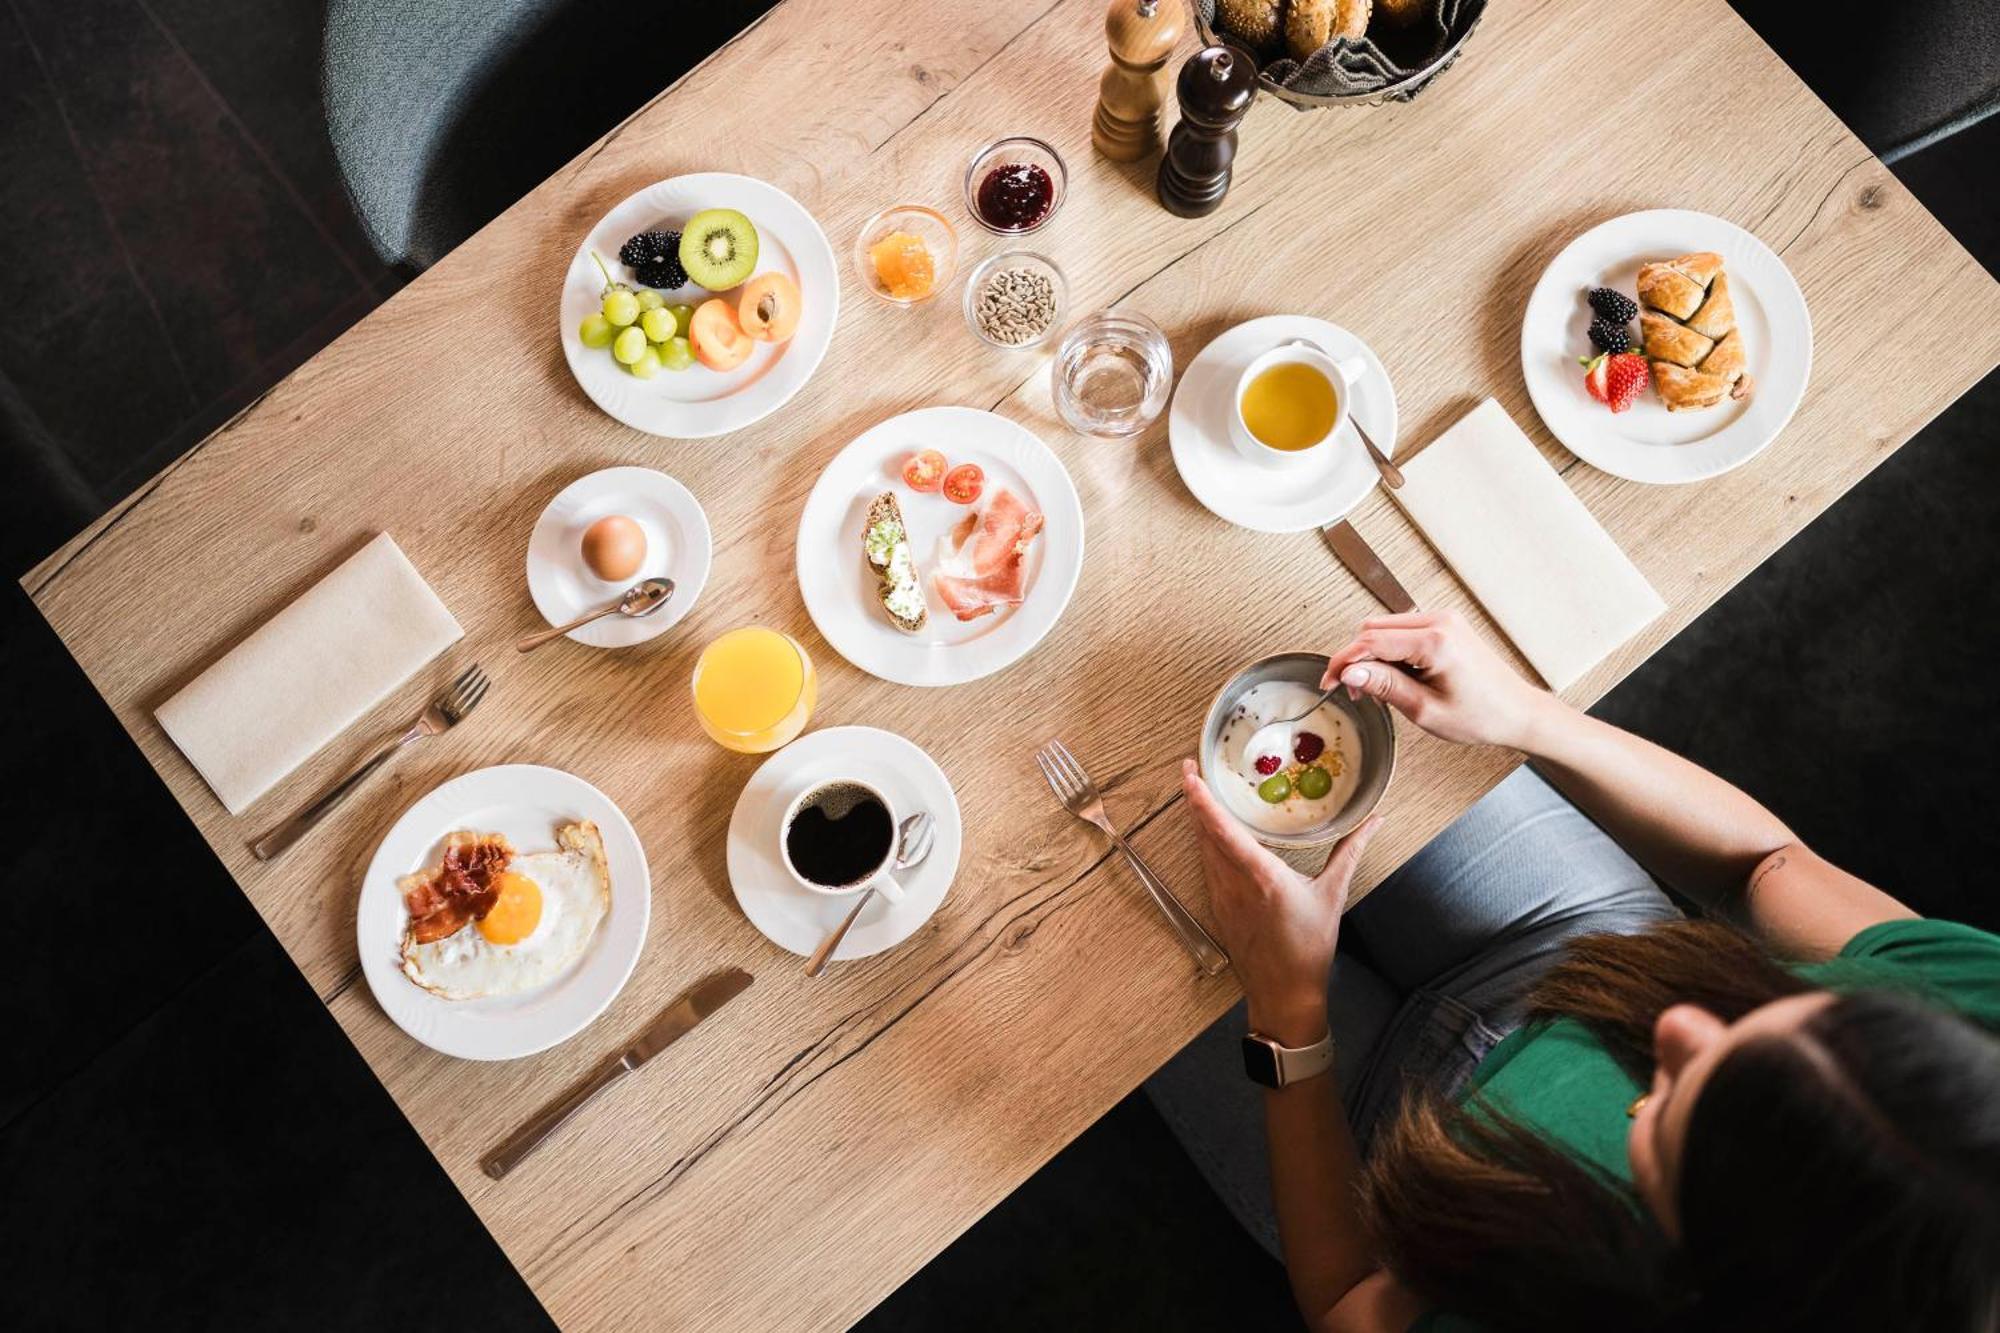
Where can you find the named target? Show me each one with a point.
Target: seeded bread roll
(1252, 22)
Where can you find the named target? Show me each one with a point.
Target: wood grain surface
(804, 1152)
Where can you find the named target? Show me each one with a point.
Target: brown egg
(614, 547)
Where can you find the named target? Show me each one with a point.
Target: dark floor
(187, 1140)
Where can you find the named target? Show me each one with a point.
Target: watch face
(1260, 1062)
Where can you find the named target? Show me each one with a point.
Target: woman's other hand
(1434, 669)
(1278, 926)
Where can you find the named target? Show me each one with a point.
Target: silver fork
(440, 715)
(1079, 796)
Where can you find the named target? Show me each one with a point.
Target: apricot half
(718, 341)
(768, 309)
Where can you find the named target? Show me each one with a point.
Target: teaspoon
(641, 599)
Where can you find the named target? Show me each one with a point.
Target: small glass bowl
(1006, 152)
(929, 225)
(1011, 259)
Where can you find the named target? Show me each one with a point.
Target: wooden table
(793, 1161)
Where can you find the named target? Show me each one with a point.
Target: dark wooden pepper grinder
(1215, 90)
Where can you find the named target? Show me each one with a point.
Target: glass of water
(1112, 373)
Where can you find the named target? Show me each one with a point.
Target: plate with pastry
(1666, 346)
(503, 912)
(940, 546)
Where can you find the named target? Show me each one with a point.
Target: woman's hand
(1278, 926)
(1434, 669)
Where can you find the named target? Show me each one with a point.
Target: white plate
(798, 919)
(677, 546)
(698, 402)
(1266, 497)
(523, 802)
(1646, 442)
(839, 588)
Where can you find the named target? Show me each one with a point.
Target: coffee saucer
(1261, 496)
(797, 919)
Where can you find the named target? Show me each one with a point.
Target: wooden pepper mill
(1142, 35)
(1215, 90)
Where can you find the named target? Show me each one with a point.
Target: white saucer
(1646, 442)
(677, 546)
(698, 402)
(1262, 496)
(798, 919)
(839, 589)
(524, 803)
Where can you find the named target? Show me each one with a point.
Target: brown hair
(1843, 1177)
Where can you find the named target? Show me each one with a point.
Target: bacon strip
(461, 890)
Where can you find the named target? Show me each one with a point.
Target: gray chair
(443, 112)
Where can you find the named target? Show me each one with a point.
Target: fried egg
(546, 907)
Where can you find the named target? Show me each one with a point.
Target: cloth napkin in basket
(1525, 546)
(306, 674)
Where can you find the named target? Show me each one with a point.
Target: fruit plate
(840, 590)
(698, 402)
(1646, 442)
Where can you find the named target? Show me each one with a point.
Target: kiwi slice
(718, 248)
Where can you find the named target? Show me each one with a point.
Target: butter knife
(1361, 561)
(674, 1022)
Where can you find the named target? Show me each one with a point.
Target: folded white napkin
(1525, 546)
(308, 672)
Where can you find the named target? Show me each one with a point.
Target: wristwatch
(1277, 1066)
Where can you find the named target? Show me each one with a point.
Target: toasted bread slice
(883, 534)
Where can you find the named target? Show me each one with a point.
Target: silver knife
(674, 1022)
(1361, 560)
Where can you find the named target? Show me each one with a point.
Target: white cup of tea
(838, 837)
(1291, 401)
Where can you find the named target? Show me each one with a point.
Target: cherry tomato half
(922, 471)
(963, 483)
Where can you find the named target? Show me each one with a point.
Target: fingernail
(1355, 676)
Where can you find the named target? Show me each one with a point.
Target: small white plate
(798, 919)
(1262, 496)
(524, 803)
(1646, 442)
(699, 402)
(839, 588)
(677, 546)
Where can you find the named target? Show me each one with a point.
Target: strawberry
(1625, 379)
(1615, 380)
(1596, 377)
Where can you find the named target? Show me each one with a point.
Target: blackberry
(665, 273)
(648, 247)
(1615, 306)
(1607, 336)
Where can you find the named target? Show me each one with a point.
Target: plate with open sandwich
(1666, 346)
(503, 912)
(940, 546)
(699, 305)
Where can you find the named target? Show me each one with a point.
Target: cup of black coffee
(840, 837)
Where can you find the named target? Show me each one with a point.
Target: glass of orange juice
(754, 689)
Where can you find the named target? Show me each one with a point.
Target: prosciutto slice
(987, 571)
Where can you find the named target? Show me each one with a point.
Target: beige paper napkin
(1525, 546)
(308, 672)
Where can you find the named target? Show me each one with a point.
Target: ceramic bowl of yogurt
(1299, 785)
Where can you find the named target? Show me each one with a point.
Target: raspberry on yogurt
(1267, 764)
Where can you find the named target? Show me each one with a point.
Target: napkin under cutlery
(308, 673)
(1525, 546)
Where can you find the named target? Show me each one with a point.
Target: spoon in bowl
(912, 846)
(641, 599)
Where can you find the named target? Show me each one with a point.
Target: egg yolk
(516, 913)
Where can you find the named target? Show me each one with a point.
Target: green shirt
(1556, 1078)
